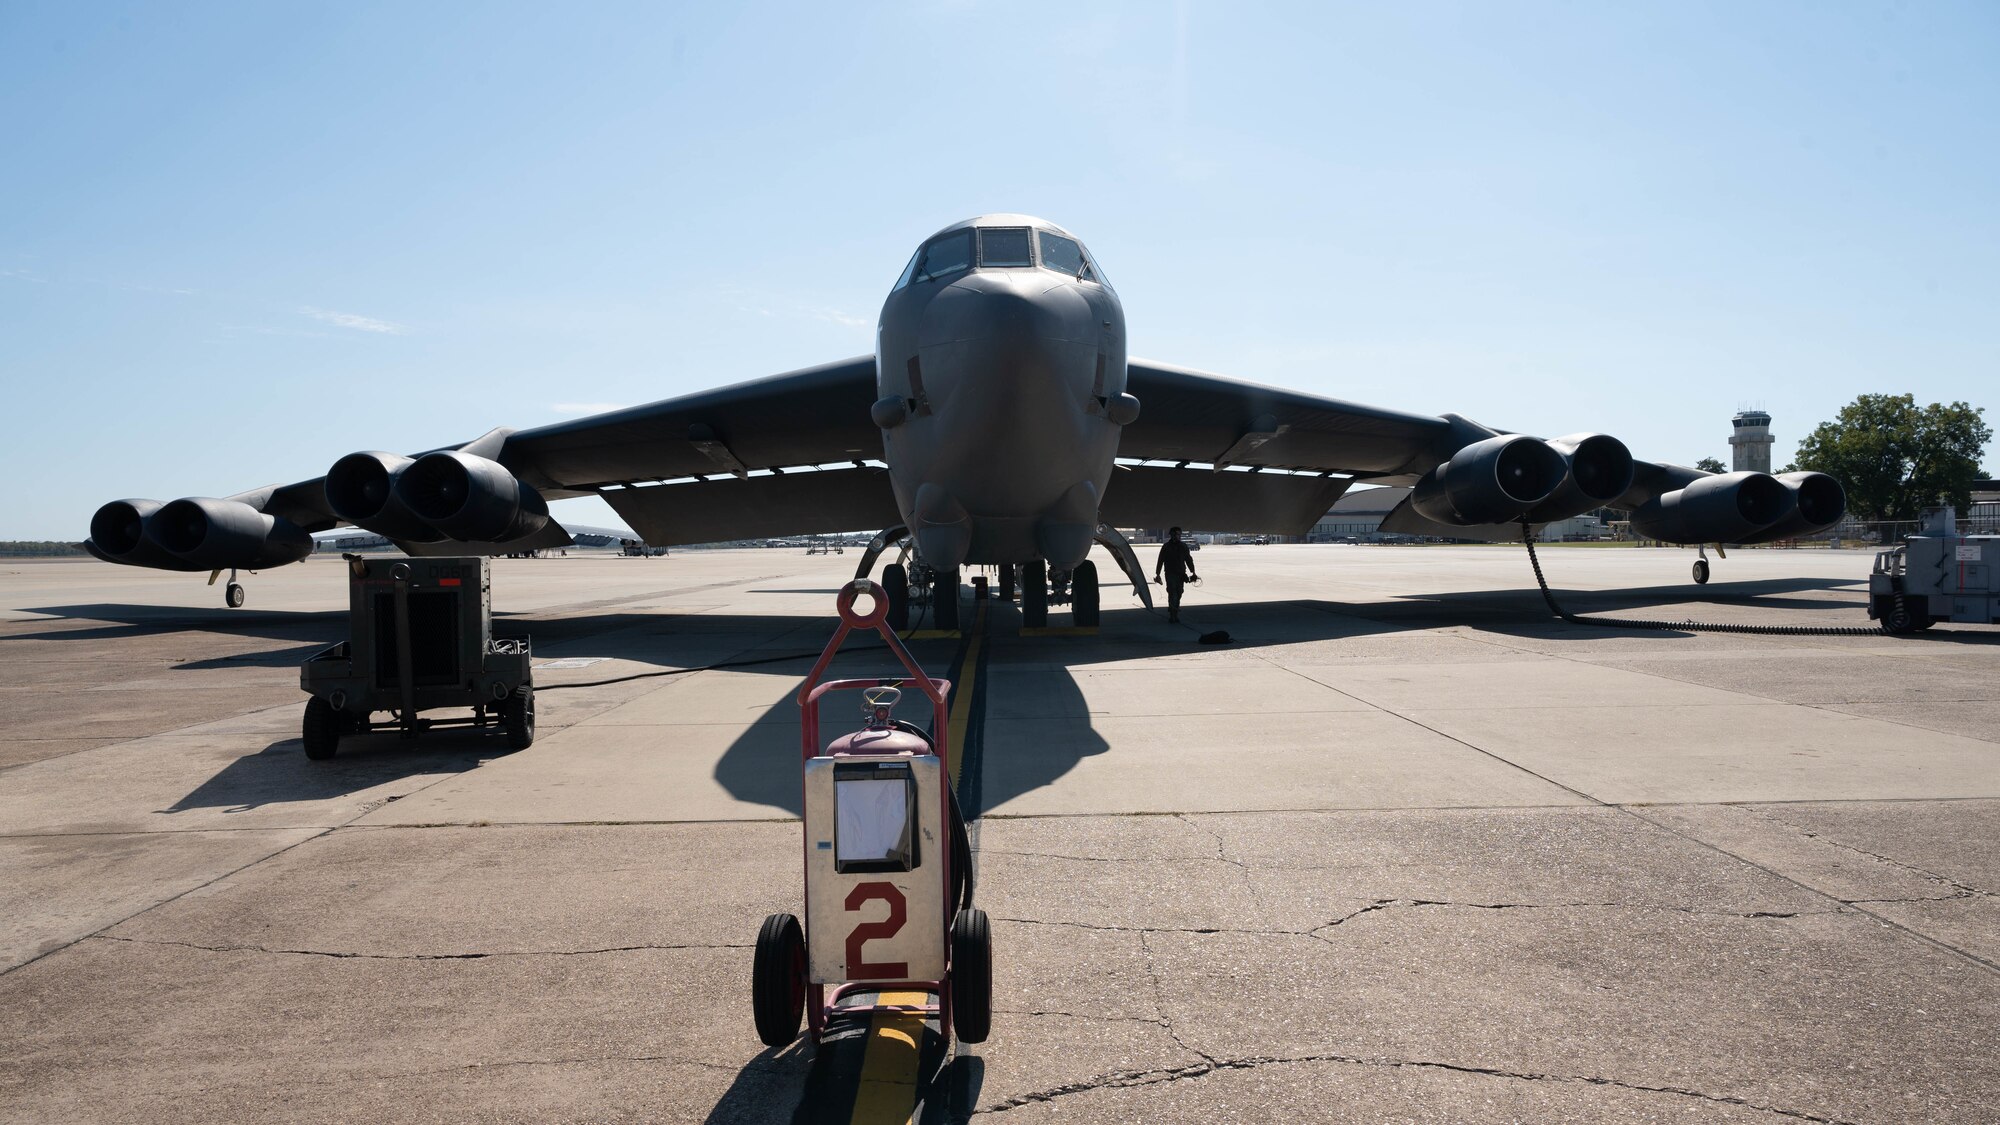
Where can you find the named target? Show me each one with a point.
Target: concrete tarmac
(1406, 850)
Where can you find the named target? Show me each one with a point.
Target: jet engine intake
(361, 489)
(1600, 470)
(118, 534)
(1819, 502)
(217, 534)
(467, 497)
(1729, 508)
(1491, 481)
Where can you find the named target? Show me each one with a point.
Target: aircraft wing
(736, 462)
(1212, 429)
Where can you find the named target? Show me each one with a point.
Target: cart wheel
(971, 976)
(1083, 594)
(232, 595)
(1701, 572)
(778, 980)
(321, 729)
(517, 715)
(896, 587)
(1035, 594)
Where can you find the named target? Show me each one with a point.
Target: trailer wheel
(1701, 572)
(1035, 594)
(321, 729)
(778, 980)
(1898, 615)
(896, 587)
(517, 715)
(971, 976)
(1083, 597)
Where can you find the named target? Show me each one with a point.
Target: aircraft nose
(1014, 307)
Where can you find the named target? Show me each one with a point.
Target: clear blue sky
(237, 242)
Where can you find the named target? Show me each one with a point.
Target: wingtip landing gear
(232, 594)
(1701, 562)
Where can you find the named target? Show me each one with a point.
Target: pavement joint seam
(1477, 749)
(338, 955)
(1891, 923)
(1964, 890)
(1137, 1078)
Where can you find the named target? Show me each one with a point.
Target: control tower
(1750, 443)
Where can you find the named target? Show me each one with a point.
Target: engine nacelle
(1819, 502)
(1491, 481)
(215, 534)
(361, 489)
(468, 497)
(1600, 470)
(1729, 508)
(118, 535)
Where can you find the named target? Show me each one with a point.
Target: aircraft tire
(1701, 572)
(944, 600)
(232, 595)
(896, 587)
(971, 975)
(321, 730)
(778, 980)
(1083, 594)
(517, 717)
(1006, 593)
(1035, 594)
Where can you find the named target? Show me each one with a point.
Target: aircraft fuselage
(1001, 400)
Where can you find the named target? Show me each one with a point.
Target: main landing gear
(916, 583)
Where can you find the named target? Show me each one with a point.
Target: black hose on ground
(1548, 595)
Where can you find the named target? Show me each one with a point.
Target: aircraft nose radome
(1014, 306)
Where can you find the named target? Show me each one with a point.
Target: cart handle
(876, 618)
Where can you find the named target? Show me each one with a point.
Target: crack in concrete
(407, 956)
(1210, 1065)
(1410, 903)
(1095, 1016)
(1966, 890)
(1160, 1006)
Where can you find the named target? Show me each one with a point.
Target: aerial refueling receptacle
(888, 865)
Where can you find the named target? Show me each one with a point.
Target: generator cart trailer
(888, 866)
(1936, 575)
(420, 638)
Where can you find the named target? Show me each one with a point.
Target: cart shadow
(282, 774)
(806, 1084)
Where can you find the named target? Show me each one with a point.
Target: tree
(1897, 458)
(1710, 465)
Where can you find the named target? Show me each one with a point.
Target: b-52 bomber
(999, 422)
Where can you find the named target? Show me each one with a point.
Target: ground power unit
(1936, 575)
(420, 638)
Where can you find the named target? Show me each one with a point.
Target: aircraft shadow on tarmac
(757, 766)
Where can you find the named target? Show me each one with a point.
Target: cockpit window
(945, 254)
(1063, 255)
(1004, 246)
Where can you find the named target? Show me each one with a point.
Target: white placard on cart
(1968, 553)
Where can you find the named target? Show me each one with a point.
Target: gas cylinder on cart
(875, 904)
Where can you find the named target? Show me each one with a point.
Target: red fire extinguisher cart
(888, 864)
